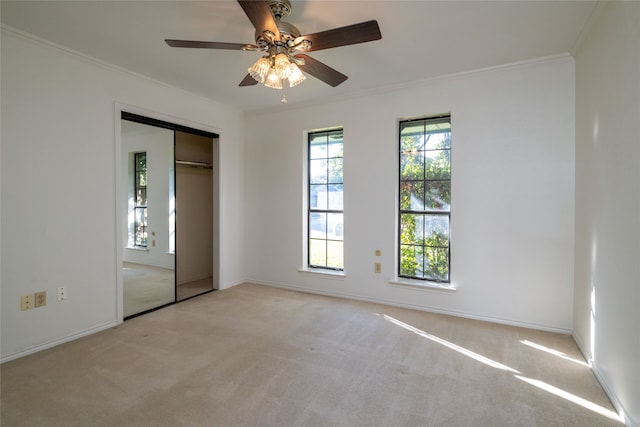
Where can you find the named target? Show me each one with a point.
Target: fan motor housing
(288, 32)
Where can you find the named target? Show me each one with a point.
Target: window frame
(310, 211)
(444, 118)
(138, 228)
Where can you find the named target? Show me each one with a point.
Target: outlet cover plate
(40, 299)
(26, 302)
(62, 293)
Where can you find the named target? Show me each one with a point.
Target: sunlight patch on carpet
(572, 398)
(554, 352)
(480, 358)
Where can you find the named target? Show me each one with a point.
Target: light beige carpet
(193, 288)
(259, 356)
(146, 287)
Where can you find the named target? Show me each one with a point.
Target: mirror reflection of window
(140, 203)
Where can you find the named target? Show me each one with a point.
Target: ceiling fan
(284, 46)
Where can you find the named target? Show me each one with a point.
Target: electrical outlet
(378, 267)
(40, 299)
(26, 302)
(62, 293)
(378, 252)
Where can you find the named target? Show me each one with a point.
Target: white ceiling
(420, 40)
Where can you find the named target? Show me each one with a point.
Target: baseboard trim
(57, 342)
(604, 384)
(232, 284)
(416, 307)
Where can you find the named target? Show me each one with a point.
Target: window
(140, 199)
(425, 198)
(325, 212)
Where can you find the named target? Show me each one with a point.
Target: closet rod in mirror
(194, 164)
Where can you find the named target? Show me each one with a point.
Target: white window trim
(313, 271)
(324, 273)
(426, 285)
(405, 282)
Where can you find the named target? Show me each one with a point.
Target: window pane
(334, 226)
(141, 169)
(335, 197)
(335, 258)
(411, 135)
(412, 195)
(318, 171)
(409, 256)
(141, 159)
(318, 225)
(436, 230)
(317, 146)
(317, 252)
(436, 263)
(412, 229)
(141, 197)
(412, 165)
(335, 170)
(434, 141)
(438, 164)
(141, 179)
(141, 226)
(318, 196)
(438, 195)
(335, 146)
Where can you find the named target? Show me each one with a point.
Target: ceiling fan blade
(343, 36)
(210, 45)
(259, 14)
(321, 71)
(248, 81)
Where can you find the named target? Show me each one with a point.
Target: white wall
(512, 193)
(59, 186)
(607, 268)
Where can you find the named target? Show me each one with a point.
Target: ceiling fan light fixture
(272, 80)
(273, 70)
(282, 66)
(260, 69)
(296, 77)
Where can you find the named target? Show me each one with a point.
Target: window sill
(134, 248)
(319, 272)
(424, 285)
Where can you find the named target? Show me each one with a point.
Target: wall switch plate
(378, 267)
(378, 252)
(40, 299)
(62, 293)
(26, 302)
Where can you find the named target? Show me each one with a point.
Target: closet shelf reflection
(191, 164)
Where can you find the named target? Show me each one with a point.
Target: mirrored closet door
(169, 213)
